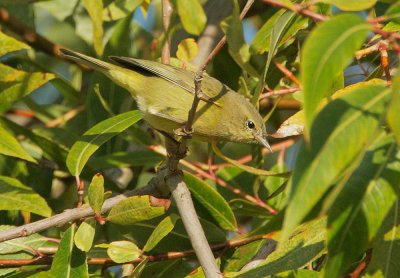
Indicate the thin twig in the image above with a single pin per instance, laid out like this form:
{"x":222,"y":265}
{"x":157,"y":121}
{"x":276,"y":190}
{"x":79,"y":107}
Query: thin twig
{"x":72,"y":215}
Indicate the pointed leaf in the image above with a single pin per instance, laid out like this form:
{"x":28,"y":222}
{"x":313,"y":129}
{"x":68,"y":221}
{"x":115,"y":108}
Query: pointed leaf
{"x":361,"y":207}
{"x":9,"y":44}
{"x":134,"y":209}
{"x":192,"y":16}
{"x":15,"y":84}
{"x":96,"y":136}
{"x":327,"y":51}
{"x":16,"y":196}
{"x":69,"y":261}
{"x":10,"y":146}
{"x":119,"y":9}
{"x":215,"y":204}
{"x":96,"y":193}
{"x":15,"y":245}
{"x":392,"y":115}
{"x":85,"y":234}
{"x":338,"y":136}
{"x":351,"y":5}
{"x":123,"y":251}
{"x":162,"y":229}
{"x":95,"y":10}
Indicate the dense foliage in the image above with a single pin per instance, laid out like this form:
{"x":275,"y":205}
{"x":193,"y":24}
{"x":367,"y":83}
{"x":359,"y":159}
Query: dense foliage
{"x":322,"y":73}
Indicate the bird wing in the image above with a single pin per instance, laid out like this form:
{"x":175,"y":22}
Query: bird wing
{"x":212,"y":88}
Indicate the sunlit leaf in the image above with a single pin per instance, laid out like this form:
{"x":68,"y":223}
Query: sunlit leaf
{"x":162,"y":229}
{"x":327,"y":51}
{"x":119,"y":9}
{"x":338,"y":136}
{"x":187,"y":50}
{"x":192,"y":16}
{"x":123,"y":251}
{"x":96,"y":193}
{"x":16,"y":196}
{"x":15,"y":84}
{"x":96,"y":136}
{"x":85,"y":234}
{"x":9,"y":44}
{"x":69,"y":261}
{"x":351,"y":5}
{"x":134,"y":209}
{"x":95,"y":10}
{"x":10,"y":146}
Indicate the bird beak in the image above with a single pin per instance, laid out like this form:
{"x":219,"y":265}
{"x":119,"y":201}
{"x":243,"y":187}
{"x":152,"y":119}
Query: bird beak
{"x":261,"y":139}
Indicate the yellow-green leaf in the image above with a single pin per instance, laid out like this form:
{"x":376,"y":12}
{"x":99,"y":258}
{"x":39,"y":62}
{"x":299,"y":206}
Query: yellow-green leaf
{"x":85,"y":234}
{"x":95,"y":10}
{"x":11,"y":147}
{"x":351,"y":5}
{"x":187,"y":50}
{"x":123,"y":251}
{"x":192,"y":16}
{"x":9,"y":44}
{"x":134,"y":209}
{"x":96,"y":193}
{"x":162,"y":229}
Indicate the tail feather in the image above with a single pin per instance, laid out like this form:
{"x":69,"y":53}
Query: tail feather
{"x":86,"y":60}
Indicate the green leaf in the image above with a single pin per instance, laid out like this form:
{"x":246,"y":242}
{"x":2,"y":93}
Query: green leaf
{"x":187,"y":50}
{"x":134,"y":209}
{"x":138,"y":270}
{"x":16,"y":196}
{"x":96,"y":136}
{"x":15,"y":84}
{"x":162,"y":229}
{"x":393,"y":13}
{"x":242,"y":255}
{"x":96,"y":193}
{"x":69,"y":261}
{"x":95,"y":10}
{"x":127,"y":159}
{"x":123,"y":251}
{"x":392,"y":113}
{"x":215,"y":204}
{"x":192,"y":16}
{"x":11,"y":147}
{"x":351,"y":5}
{"x":119,"y":9}
{"x":28,"y":243}
{"x":327,"y":51}
{"x":305,"y":245}
{"x":385,"y":261}
{"x":9,"y":44}
{"x":361,"y":207}
{"x":338,"y":136}
{"x":85,"y":234}
{"x":238,"y":48}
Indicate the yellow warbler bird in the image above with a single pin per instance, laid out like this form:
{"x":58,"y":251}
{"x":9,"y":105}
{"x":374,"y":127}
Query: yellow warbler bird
{"x":165,"y":95}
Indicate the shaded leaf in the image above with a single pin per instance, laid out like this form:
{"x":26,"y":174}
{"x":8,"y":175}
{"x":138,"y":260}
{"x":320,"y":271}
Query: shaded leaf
{"x":192,"y":16}
{"x":338,"y":136}
{"x":162,"y":229}
{"x":361,"y":207}
{"x":392,"y":115}
{"x":215,"y":204}
{"x":123,"y":251}
{"x":69,"y":261}
{"x":126,"y":159}
{"x":327,"y":51}
{"x":15,"y":84}
{"x":85,"y":234}
{"x":95,"y":10}
{"x":22,"y":243}
{"x":16,"y":196}
{"x":96,"y":136}
{"x":305,"y":245}
{"x":134,"y":209}
{"x":96,"y":193}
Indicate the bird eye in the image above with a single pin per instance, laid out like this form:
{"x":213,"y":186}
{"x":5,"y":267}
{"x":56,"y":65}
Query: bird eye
{"x":250,"y":124}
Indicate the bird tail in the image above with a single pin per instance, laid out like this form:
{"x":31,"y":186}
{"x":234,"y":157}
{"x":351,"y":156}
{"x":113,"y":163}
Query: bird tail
{"x":91,"y":62}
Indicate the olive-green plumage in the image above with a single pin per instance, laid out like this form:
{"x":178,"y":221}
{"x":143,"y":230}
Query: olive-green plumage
{"x":165,"y":95}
